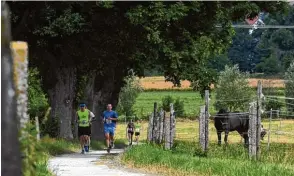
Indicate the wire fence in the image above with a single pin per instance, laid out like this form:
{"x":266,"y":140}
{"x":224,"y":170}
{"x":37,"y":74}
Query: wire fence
{"x":276,"y":124}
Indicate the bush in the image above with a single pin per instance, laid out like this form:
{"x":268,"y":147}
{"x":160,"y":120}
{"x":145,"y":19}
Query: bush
{"x":289,"y":87}
{"x":273,"y":104}
{"x":178,"y":105}
{"x":232,"y":90}
{"x":31,"y":150}
{"x":128,"y":96}
{"x":166,"y":101}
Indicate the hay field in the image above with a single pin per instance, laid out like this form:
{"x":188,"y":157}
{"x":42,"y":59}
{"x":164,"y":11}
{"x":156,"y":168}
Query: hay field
{"x":158,"y":82}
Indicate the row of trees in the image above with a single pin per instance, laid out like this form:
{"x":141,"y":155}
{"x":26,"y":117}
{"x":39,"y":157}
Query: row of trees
{"x":90,"y":47}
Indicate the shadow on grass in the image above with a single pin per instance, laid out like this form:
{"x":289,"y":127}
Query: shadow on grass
{"x":58,"y":146}
{"x":100,"y":145}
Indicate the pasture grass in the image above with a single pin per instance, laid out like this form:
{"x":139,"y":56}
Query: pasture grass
{"x":192,"y":102}
{"x":188,"y":130}
{"x":187,"y":159}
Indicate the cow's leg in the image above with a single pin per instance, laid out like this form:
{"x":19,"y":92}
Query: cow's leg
{"x":246,"y":138}
{"x":219,"y":137}
{"x":226,"y":136}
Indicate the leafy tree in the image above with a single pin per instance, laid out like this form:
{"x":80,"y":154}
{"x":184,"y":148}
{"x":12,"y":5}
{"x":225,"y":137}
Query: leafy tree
{"x":38,"y":102}
{"x":243,"y":50}
{"x":232,"y":90}
{"x":289,"y":77}
{"x":103,"y":41}
{"x":278,"y":43}
{"x":269,"y":66}
{"x":128,"y":95}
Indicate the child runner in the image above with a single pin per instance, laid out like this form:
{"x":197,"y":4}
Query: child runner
{"x":130,"y":131}
{"x":137,"y":131}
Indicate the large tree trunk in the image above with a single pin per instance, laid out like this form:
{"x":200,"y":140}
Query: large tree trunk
{"x":61,"y":98}
{"x":106,"y":90}
{"x":11,"y":160}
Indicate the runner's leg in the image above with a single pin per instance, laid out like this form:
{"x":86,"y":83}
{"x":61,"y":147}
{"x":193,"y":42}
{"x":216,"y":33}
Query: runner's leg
{"x":111,"y":136}
{"x":129,"y":138}
{"x":81,"y":137}
{"x":106,"y":133}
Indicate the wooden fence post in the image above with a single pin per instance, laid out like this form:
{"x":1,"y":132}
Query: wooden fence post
{"x":172,"y":125}
{"x":20,"y":54}
{"x":150,"y":128}
{"x":202,"y":127}
{"x":161,"y":117}
{"x":206,"y":119}
{"x":258,"y":120}
{"x":269,"y":129}
{"x":157,"y":127}
{"x":11,"y":157}
{"x":167,"y":133}
{"x":37,"y":127}
{"x":154,"y":121}
{"x":163,"y":126}
{"x":252,"y":131}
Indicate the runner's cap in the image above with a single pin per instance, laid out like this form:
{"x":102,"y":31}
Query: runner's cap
{"x":82,"y":105}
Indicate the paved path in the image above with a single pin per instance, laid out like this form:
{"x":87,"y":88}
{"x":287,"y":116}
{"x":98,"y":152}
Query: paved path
{"x":90,"y":164}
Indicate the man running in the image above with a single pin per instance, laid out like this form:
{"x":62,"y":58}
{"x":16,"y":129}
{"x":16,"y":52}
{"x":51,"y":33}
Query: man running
{"x":83,"y":119}
{"x":137,"y":131}
{"x":130,"y":131}
{"x":109,"y":119}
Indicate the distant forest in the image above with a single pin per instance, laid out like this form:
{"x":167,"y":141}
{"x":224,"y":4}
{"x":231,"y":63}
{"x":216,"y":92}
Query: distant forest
{"x":265,"y":51}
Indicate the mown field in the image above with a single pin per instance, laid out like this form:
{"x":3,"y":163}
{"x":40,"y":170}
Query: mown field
{"x":145,"y":101}
{"x":187,"y":130}
{"x":155,"y":88}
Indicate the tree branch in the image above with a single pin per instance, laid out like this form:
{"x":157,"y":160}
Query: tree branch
{"x":21,"y":25}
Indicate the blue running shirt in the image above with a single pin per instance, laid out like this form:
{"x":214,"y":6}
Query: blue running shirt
{"x":111,"y":114}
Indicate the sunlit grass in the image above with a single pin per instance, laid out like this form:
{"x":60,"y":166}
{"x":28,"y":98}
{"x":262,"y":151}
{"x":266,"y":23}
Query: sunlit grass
{"x":186,"y":159}
{"x":188,"y":130}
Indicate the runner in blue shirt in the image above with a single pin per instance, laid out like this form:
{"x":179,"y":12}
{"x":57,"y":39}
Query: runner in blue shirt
{"x":109,"y":119}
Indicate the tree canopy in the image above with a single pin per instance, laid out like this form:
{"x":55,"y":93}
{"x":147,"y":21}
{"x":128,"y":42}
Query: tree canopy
{"x":102,"y":41}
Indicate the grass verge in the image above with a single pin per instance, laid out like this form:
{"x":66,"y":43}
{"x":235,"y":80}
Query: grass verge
{"x":51,"y":147}
{"x":187,"y":159}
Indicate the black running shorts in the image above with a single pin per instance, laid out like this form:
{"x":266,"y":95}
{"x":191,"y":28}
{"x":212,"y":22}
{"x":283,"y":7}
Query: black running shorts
{"x":84,"y":131}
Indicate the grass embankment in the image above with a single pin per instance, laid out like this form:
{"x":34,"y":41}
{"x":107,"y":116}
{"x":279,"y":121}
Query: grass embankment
{"x":187,"y":159}
{"x":51,"y":147}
